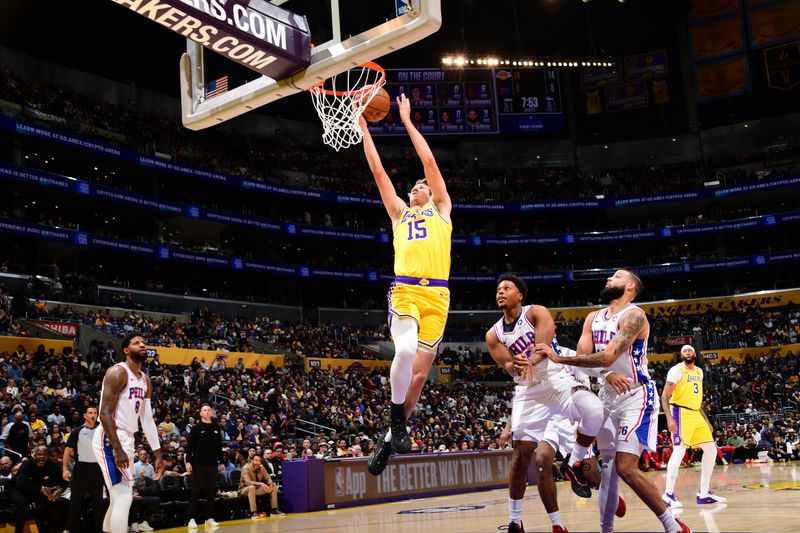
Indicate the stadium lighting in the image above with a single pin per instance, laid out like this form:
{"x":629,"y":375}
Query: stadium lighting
{"x":462,"y":61}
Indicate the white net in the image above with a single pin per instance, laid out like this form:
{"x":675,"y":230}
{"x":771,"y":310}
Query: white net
{"x":340,"y":100}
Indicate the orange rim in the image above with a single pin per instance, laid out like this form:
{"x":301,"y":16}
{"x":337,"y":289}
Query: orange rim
{"x":318,"y":88}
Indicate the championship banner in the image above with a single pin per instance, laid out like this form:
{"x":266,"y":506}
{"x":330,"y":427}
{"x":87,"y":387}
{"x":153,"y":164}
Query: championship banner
{"x":185,"y":356}
{"x":763,"y":299}
{"x":677,"y":341}
{"x":348,"y":365}
{"x":701,"y":9}
{"x":722,"y":79}
{"x":740,"y":354}
{"x":68,"y":329}
{"x":783,"y":66}
{"x":347,"y":482}
{"x":594,"y":105}
{"x":660,"y":92}
{"x":626,"y":97}
{"x":593,"y":77}
{"x":774,"y":24}
{"x":646,"y":66}
{"x":716,"y":39}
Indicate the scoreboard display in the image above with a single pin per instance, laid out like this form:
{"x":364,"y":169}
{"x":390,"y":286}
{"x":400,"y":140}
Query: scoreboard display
{"x":477,"y":100}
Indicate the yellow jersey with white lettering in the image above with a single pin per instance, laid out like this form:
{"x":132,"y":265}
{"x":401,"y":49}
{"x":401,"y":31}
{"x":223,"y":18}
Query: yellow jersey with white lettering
{"x":688,"y":391}
{"x":422,"y":243}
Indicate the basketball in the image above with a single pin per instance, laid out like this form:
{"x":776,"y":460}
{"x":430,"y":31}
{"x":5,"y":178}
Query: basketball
{"x":378,"y":107}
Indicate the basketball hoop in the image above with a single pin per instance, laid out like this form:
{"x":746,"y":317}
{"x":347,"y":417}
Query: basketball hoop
{"x":341,"y":99}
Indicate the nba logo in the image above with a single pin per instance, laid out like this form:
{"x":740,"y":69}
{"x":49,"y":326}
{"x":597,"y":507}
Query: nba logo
{"x":163,"y":252}
{"x":83,"y":188}
{"x":236,"y":263}
{"x":81,"y":239}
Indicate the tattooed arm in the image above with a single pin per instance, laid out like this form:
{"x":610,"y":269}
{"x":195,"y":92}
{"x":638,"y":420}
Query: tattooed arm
{"x":631,"y":326}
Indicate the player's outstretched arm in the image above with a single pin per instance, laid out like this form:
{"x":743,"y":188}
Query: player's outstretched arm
{"x":113,"y":383}
{"x":439,"y":193}
{"x":631,"y":325}
{"x":393,"y":204}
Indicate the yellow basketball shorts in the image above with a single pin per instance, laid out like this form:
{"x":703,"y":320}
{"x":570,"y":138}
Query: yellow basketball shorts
{"x":428,"y":306}
{"x":692,"y":427}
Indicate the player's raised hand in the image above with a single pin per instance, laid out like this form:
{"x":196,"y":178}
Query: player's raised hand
{"x":547,"y":351}
{"x":404,"y":107}
{"x":621,"y":384}
{"x":362,"y":123}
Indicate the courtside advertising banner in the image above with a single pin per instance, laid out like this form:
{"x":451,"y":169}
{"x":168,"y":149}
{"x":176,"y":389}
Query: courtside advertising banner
{"x":347,"y":482}
{"x":68,"y":329}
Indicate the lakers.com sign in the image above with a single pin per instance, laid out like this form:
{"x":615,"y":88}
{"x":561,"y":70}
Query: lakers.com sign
{"x":261,"y":36}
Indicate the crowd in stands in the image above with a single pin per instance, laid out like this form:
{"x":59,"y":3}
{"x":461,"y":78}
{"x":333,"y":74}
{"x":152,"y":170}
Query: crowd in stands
{"x":263,"y":159}
{"x":288,"y":413}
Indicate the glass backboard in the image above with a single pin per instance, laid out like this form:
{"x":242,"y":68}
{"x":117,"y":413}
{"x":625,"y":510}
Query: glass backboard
{"x":344,"y":33}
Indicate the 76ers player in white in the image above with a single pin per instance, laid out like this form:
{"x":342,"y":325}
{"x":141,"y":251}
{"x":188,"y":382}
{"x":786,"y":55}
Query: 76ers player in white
{"x":544,"y":389}
{"x":618,"y":337}
{"x":124,"y":401}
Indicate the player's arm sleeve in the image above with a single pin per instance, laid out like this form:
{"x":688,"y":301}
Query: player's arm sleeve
{"x":149,"y":426}
{"x":675,"y":374}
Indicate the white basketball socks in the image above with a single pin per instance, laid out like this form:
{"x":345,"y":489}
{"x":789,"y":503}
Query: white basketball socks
{"x":673,"y":466}
{"x":707,"y":466}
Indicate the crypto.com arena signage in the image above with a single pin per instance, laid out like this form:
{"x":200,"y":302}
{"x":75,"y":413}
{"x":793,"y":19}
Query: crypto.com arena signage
{"x":261,"y":36}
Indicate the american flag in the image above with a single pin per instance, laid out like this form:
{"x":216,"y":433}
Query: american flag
{"x":217,"y":87}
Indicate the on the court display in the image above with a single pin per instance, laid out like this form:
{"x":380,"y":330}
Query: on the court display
{"x":254,"y":33}
{"x":476,"y":100}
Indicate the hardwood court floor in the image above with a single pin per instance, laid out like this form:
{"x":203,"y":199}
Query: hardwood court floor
{"x":761,"y":498}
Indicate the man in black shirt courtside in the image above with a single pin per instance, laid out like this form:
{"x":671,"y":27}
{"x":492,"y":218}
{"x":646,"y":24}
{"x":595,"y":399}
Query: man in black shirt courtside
{"x":203,"y":452}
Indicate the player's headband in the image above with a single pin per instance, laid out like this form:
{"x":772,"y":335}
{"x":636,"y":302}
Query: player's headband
{"x":688,"y":346}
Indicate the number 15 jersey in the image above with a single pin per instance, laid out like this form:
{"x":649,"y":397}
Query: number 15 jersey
{"x":422,"y":243}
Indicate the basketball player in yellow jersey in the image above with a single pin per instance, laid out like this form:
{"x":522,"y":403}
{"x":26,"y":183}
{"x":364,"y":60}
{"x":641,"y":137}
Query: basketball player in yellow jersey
{"x":682,"y":401}
{"x":419,"y":298}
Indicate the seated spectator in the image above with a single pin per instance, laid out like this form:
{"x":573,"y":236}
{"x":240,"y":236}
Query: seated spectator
{"x":142,"y":468}
{"x":256,"y":481}
{"x":41,"y":483}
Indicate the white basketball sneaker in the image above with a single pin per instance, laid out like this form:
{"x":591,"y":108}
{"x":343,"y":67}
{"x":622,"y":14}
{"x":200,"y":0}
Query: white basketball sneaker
{"x":211,"y":523}
{"x":192,"y":524}
{"x":671,"y":501}
{"x":710,"y":498}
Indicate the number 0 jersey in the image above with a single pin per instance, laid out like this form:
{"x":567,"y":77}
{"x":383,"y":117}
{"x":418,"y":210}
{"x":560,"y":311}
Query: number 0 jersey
{"x":522,"y":338}
{"x":422,"y":243}
{"x":129,"y":406}
{"x":688,"y":391}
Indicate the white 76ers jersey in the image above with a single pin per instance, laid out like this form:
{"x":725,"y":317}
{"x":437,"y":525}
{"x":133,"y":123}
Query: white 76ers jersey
{"x":523,"y":338}
{"x":632,"y":364}
{"x":131,"y":399}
